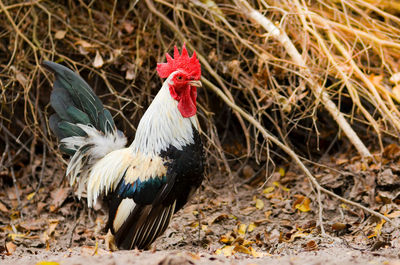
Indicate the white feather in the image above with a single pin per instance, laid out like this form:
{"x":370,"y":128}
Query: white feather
{"x":124,"y":210}
{"x":89,"y":149}
{"x":163,"y":125}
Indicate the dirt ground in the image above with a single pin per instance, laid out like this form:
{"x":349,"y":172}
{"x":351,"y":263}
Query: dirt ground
{"x":274,"y":223}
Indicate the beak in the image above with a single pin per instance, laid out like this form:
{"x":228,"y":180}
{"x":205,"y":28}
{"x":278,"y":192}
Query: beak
{"x":195,"y":83}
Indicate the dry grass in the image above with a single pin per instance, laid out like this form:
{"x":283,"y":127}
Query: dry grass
{"x":340,"y":59}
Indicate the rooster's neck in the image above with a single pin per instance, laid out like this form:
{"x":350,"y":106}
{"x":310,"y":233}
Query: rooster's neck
{"x":163,"y":126}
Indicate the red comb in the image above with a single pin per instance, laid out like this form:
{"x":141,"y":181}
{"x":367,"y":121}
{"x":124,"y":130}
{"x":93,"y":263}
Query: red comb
{"x":182,"y":61}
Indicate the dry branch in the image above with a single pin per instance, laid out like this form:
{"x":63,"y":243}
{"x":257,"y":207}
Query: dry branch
{"x":318,"y":91}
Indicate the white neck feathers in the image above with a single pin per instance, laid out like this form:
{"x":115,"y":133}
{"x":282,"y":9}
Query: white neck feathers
{"x":163,"y":125}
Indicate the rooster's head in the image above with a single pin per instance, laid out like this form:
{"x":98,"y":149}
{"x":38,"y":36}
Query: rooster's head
{"x":183,"y":73}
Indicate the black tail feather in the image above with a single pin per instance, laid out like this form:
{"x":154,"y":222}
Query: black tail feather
{"x":75,"y":103}
{"x":143,"y":226}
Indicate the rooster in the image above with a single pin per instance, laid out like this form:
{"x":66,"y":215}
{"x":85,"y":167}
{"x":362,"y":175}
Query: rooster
{"x":146,"y":183}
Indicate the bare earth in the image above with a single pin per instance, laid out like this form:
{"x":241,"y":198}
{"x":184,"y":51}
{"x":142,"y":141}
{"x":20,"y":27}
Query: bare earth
{"x":331,"y":255}
{"x":270,"y":224}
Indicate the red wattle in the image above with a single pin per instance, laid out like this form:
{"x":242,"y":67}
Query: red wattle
{"x":187,"y":103}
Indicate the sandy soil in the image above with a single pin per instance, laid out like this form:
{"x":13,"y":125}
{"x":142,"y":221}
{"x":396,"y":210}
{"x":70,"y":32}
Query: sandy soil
{"x":331,"y":255}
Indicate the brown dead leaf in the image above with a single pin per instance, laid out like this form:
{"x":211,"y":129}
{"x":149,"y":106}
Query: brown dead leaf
{"x":218,"y":218}
{"x":290,"y":237}
{"x":242,"y":249}
{"x":3,"y":208}
{"x":4,"y":252}
{"x":248,"y":171}
{"x":33,"y":225}
{"x":227,"y":239}
{"x":85,"y":44}
{"x":340,"y":227}
{"x":391,"y":151}
{"x":302,"y":203}
{"x":48,"y":235}
{"x":394,"y":214}
{"x":59,"y":196}
{"x":310,"y":246}
{"x":130,"y":72}
{"x":98,"y":60}
{"x":128,"y":26}
{"x":341,"y":161}
{"x":387,"y":178}
{"x":256,"y":254}
{"x":60,"y":34}
{"x":40,"y":207}
{"x":11,"y":247}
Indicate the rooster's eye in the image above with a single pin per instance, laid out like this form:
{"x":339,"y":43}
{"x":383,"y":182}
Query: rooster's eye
{"x":179,"y":77}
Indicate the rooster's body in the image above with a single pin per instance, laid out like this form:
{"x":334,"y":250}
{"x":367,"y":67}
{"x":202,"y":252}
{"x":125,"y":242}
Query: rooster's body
{"x":147,"y":182}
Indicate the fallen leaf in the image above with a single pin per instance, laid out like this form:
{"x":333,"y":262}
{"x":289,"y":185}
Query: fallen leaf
{"x":268,"y":190}
{"x":394,"y":214}
{"x":30,"y":196}
{"x":242,"y":249}
{"x":340,"y":226}
{"x":391,"y":151}
{"x":33,"y":225}
{"x":13,"y":236}
{"x":377,"y":229}
{"x":259,"y":204}
{"x":58,"y":196}
{"x":248,"y":171}
{"x":128,"y":26}
{"x":290,"y":237}
{"x":60,"y":34}
{"x":84,"y":44}
{"x":311,"y":245}
{"x":4,"y":252}
{"x":255,"y":254}
{"x":280,"y":186}
{"x":194,"y":224}
{"x":3,"y":208}
{"x":49,"y":233}
{"x":242,"y":229}
{"x":98,"y":60}
{"x":251,"y":227}
{"x":302,"y":203}
{"x":218,"y":218}
{"x":226,"y":239}
{"x":130,"y":73}
{"x":47,"y":263}
{"x":11,"y":247}
{"x":227,"y":251}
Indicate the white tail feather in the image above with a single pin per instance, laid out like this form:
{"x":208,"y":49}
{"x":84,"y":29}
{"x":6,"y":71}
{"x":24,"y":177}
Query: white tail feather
{"x":88,"y":150}
{"x":107,"y":173}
